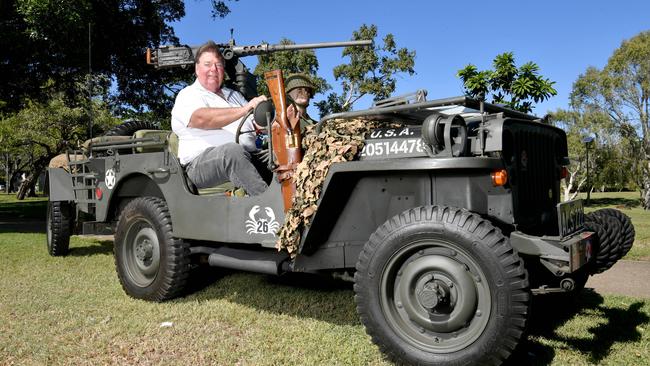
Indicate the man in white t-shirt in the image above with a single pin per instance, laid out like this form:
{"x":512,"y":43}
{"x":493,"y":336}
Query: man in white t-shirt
{"x":205,"y":118}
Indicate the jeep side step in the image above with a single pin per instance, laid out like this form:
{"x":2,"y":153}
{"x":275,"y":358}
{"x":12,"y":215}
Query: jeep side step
{"x":267,"y":262}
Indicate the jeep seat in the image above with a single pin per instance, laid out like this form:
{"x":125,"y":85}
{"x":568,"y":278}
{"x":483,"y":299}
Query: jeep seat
{"x":163,"y":135}
{"x":172,"y":144}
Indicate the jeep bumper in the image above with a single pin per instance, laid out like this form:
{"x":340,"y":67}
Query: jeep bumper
{"x":559,"y":255}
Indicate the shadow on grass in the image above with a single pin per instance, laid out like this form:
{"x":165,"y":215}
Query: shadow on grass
{"x":98,"y":247}
{"x":18,"y":225}
{"x":619,"y":202}
{"x":614,"y":325}
{"x":332,"y":301}
{"x":23,"y":210}
{"x":294,"y":294}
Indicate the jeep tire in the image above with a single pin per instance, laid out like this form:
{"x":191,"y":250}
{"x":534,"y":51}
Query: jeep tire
{"x":439,"y":285}
{"x":130,"y":127}
{"x":151,"y":263}
{"x":59,"y":227}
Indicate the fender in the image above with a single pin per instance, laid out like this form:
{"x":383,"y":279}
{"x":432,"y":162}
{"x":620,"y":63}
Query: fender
{"x":59,"y":185}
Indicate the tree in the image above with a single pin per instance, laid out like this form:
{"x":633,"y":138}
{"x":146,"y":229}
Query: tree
{"x":371,"y":71}
{"x":622,"y":91}
{"x":42,"y":130}
{"x":517,"y":88}
{"x":303,"y":61}
{"x":46,"y":41}
{"x":607,"y":167}
{"x":220,"y":9}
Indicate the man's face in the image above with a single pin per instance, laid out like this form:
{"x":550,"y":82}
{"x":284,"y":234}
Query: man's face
{"x":210,"y":71}
{"x":300,"y":96}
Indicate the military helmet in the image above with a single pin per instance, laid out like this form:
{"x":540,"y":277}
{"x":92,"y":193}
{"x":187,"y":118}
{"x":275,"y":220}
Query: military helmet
{"x":294,"y":81}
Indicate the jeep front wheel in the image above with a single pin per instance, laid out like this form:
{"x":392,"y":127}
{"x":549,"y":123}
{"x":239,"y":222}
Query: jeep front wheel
{"x":438,"y":285}
{"x":151,"y":264}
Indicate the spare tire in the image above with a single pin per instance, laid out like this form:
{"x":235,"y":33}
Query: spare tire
{"x":128,"y":128}
{"x":626,"y":233}
{"x":608,"y":248}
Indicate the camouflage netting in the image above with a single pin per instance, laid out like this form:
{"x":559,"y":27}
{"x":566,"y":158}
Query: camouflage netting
{"x":339,"y":140}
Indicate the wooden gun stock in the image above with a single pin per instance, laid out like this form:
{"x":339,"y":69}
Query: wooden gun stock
{"x":285,"y":138}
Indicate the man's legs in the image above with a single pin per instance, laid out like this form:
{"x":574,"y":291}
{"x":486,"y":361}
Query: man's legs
{"x":229,"y":162}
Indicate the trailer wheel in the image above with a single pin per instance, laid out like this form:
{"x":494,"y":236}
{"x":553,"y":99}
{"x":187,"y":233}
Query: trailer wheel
{"x":439,"y":285}
{"x":151,"y":264}
{"x":59,"y":225}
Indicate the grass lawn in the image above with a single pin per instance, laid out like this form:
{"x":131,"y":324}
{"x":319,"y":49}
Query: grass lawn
{"x":72,"y":310}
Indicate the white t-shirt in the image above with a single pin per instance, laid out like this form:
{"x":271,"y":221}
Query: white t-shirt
{"x":192,"y":141}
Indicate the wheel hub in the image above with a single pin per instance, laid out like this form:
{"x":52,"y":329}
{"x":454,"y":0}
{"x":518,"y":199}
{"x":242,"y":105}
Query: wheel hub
{"x":144,"y":250}
{"x":434,"y":295}
{"x":142,"y":253}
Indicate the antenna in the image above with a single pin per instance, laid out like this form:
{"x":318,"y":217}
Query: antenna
{"x":90,"y":86}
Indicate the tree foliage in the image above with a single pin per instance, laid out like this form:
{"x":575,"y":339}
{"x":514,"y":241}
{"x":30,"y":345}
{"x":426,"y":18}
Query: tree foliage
{"x":46,"y":41}
{"x":608,"y":166}
{"x":44,"y":129}
{"x":220,"y":9}
{"x":622,"y":91}
{"x":303,"y":61}
{"x":371,"y":71}
{"x":517,"y":88}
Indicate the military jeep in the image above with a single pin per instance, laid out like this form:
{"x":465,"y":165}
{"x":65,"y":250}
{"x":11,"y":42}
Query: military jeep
{"x":447,"y":221}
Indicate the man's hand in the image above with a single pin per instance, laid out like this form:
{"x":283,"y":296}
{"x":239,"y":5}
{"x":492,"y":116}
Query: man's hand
{"x":293,"y":115}
{"x":255,"y":101}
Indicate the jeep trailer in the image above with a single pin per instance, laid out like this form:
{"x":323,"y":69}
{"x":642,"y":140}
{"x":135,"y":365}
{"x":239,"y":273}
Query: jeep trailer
{"x":447,"y":221}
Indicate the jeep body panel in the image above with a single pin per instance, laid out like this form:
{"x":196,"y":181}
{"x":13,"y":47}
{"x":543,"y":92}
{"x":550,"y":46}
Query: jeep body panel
{"x":384,"y":187}
{"x":216,"y":218}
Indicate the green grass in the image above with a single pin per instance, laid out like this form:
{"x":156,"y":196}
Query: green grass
{"x":72,"y":310}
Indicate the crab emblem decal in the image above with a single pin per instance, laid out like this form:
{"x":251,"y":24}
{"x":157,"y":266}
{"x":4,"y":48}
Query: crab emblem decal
{"x":261,"y":225}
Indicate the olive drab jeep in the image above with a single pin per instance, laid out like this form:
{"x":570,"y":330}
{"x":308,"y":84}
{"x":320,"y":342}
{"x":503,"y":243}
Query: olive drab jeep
{"x":445,"y":214}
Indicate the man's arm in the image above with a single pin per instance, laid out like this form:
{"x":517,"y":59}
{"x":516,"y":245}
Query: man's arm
{"x":212,"y":118}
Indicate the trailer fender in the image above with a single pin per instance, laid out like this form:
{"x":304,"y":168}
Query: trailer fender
{"x":59,"y":185}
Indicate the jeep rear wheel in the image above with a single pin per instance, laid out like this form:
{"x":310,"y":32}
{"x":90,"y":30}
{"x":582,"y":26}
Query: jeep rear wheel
{"x":439,"y":285}
{"x":151,"y":264}
{"x":58,"y":227}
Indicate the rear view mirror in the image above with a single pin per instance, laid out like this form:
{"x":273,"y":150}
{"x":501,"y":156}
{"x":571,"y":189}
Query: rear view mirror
{"x":264,"y":113}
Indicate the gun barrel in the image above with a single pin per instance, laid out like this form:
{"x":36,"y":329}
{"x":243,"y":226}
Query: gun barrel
{"x":242,"y":51}
{"x":174,"y":56}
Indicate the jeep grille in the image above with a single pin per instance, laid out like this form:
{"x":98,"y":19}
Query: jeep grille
{"x":533,"y":153}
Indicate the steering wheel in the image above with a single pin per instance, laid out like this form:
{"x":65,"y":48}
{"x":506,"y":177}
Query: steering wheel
{"x":263,"y":114}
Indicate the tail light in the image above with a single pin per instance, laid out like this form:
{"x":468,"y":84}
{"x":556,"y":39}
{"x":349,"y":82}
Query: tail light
{"x":564,"y":172}
{"x":499,"y":177}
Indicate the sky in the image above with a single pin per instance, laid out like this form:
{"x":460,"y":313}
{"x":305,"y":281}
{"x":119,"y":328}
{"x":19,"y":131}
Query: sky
{"x":563,"y":38}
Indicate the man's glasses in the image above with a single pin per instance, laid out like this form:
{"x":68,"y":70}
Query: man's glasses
{"x":210,"y":65}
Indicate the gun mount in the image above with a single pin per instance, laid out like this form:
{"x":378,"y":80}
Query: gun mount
{"x":238,"y":76}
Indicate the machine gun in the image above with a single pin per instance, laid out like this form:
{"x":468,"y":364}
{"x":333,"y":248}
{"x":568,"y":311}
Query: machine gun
{"x":238,"y":77}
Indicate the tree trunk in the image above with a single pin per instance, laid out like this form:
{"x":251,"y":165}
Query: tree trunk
{"x":645,"y":188}
{"x":28,"y":184}
{"x":645,"y":194}
{"x":14,"y":177}
{"x":27,"y":187}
